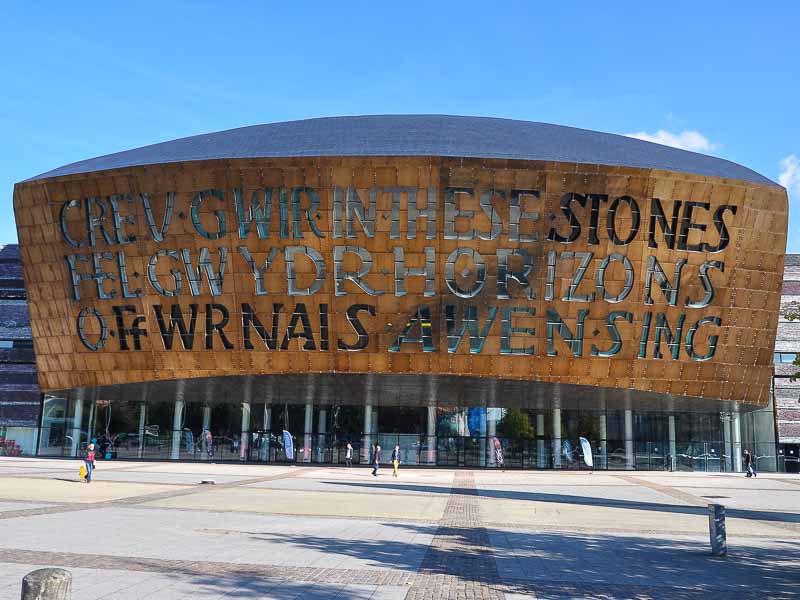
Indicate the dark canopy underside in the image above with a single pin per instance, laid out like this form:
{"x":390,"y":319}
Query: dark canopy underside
{"x":399,"y":390}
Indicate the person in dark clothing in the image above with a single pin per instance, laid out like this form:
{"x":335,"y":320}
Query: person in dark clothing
{"x":376,"y":460}
{"x":749,"y":464}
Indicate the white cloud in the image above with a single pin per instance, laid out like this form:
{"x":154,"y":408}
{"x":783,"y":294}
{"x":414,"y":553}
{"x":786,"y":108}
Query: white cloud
{"x":686,"y":139}
{"x":790,"y":174}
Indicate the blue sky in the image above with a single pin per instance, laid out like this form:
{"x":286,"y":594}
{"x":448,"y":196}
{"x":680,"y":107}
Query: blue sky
{"x":83,"y":79}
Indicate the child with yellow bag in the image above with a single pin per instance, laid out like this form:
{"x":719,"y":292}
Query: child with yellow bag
{"x":87,"y":467}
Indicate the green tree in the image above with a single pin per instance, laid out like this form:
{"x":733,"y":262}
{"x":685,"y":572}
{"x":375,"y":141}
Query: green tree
{"x":515,"y":424}
{"x":587,"y":427}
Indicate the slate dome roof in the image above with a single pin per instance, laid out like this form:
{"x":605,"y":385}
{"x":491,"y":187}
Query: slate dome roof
{"x":419,"y":135}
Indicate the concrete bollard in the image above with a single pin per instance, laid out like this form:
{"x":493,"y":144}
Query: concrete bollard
{"x":47,"y":584}
{"x":716,"y":529}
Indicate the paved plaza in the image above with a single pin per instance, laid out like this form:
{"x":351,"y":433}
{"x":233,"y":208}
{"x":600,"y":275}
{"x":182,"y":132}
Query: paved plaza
{"x":151,"y":530}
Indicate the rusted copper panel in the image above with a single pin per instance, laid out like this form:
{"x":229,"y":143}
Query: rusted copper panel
{"x":516,"y":265}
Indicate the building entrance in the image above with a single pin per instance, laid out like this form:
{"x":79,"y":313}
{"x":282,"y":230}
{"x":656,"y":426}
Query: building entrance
{"x":456,"y":422}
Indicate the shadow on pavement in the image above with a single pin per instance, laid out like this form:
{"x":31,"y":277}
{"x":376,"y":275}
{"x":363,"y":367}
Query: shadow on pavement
{"x":607,"y":566}
{"x":215,"y":587}
{"x":758,"y":515}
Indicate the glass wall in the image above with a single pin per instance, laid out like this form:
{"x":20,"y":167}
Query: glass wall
{"x":54,"y":439}
{"x":205,"y":429}
{"x":699,"y":442}
{"x":18,"y":441}
{"x":759,"y":426}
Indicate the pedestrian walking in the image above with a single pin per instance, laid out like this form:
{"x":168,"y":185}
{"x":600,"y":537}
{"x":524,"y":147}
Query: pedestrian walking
{"x":376,"y":460}
{"x":209,"y":444}
{"x":498,"y":453}
{"x":749,"y":464}
{"x":188,"y":440}
{"x":396,"y":459}
{"x":88,"y":463}
{"x":348,"y":455}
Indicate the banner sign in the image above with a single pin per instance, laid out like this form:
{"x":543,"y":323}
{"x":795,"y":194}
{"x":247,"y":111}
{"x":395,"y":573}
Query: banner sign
{"x":288,"y":446}
{"x":587,"y":452}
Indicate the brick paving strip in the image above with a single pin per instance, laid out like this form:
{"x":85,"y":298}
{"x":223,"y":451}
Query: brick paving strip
{"x":421,"y":584}
{"x":207,"y":568}
{"x":665,"y":489}
{"x":459,"y":563}
{"x":143,"y":498}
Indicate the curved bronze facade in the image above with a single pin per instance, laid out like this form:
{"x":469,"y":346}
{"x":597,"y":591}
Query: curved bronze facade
{"x":611,"y":277}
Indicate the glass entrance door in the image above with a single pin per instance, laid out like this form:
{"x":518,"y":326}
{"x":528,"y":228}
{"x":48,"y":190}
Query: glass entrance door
{"x":447,"y":451}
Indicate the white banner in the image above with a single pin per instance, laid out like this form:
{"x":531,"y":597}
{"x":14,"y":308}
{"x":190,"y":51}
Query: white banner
{"x":587,"y":452}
